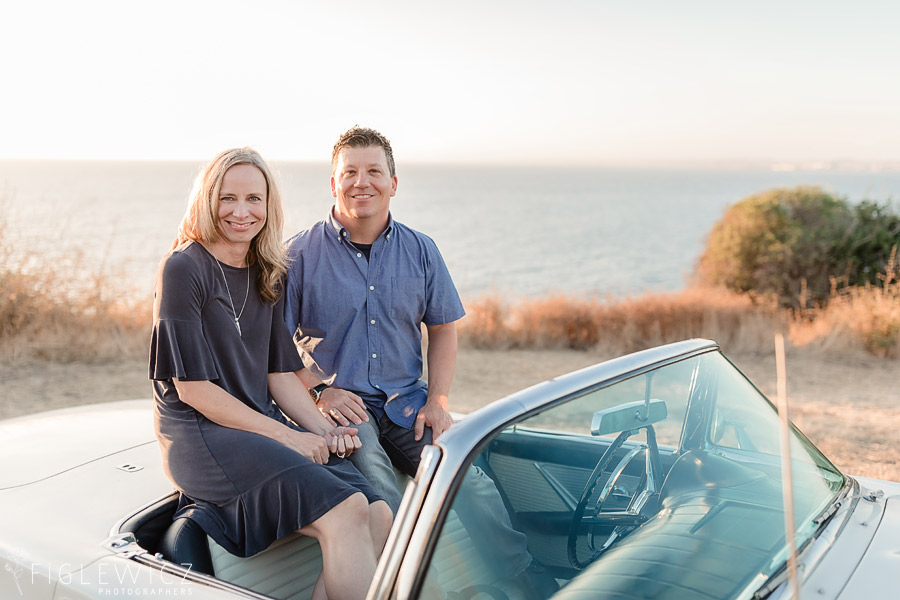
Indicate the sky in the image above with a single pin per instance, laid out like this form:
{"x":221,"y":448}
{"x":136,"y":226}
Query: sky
{"x":578,"y":82}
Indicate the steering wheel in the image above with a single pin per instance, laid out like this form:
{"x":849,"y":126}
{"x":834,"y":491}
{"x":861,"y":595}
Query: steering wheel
{"x":622,"y":521}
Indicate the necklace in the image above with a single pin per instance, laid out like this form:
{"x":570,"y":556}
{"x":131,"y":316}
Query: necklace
{"x":237,"y":315}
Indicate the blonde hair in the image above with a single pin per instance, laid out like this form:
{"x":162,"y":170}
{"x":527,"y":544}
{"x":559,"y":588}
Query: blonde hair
{"x":201,"y":217}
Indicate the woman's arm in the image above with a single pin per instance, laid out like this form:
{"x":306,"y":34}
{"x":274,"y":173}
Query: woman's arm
{"x":224,"y":409}
{"x":294,"y":400}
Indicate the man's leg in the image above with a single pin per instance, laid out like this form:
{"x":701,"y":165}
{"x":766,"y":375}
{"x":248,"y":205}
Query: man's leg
{"x":375,"y":465}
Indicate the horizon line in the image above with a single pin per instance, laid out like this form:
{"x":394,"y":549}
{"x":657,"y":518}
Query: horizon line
{"x":786,"y":165}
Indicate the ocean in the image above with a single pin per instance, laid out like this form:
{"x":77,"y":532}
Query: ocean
{"x":511,"y":231}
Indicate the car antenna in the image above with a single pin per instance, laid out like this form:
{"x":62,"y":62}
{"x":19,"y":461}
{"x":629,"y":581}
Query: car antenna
{"x":786,"y":487}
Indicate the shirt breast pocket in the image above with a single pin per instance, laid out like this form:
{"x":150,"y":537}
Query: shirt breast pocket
{"x":408,"y":298}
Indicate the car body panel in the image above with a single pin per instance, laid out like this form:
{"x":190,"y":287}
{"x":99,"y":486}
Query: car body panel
{"x":52,"y":526}
{"x":881,"y":569}
{"x":860,"y":549}
{"x":35,"y":447}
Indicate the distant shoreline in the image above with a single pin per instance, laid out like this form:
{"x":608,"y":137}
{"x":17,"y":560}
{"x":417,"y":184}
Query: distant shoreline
{"x":776,"y":165}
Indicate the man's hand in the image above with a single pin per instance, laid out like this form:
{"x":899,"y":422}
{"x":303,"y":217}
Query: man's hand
{"x":341,"y":407}
{"x":434,"y":414}
{"x":342,"y":441}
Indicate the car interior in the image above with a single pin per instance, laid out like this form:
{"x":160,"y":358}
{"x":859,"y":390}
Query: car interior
{"x":287,"y":570}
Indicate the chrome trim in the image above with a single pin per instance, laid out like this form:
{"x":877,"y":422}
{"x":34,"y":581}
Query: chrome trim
{"x":386,"y":573}
{"x":123,"y":544}
{"x":434,"y":509}
{"x":117,"y":526}
{"x":479,"y":424}
{"x":617,"y":472}
{"x":130,"y":467}
{"x":565,"y":495}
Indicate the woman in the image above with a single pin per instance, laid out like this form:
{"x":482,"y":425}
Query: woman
{"x":222,"y":365}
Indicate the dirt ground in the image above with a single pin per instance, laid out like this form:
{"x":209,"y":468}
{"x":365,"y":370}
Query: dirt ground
{"x":848,"y":407}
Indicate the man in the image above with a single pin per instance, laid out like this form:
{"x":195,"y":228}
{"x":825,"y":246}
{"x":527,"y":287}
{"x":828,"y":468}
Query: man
{"x":359,"y":287}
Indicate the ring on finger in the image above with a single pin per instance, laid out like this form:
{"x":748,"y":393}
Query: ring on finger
{"x":341,"y":454}
{"x":334,"y":413}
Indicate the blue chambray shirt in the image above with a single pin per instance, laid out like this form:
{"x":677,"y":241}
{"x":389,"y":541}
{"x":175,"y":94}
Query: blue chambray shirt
{"x":356,"y":322}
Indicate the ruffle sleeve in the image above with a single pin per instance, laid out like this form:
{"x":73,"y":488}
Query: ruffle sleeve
{"x":178,"y":349}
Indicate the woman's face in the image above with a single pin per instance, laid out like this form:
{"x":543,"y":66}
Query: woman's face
{"x":242,"y":204}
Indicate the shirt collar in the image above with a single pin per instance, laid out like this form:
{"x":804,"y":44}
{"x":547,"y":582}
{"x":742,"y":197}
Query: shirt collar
{"x":340,"y":232}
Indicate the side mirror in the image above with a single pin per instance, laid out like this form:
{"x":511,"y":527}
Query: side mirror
{"x":628,"y":416}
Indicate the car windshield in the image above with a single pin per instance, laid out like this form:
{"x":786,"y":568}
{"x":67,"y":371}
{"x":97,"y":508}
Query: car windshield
{"x":664,"y":482}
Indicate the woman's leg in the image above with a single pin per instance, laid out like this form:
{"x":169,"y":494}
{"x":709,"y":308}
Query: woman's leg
{"x":348,"y":553}
{"x":318,"y":592}
{"x":380,"y":520}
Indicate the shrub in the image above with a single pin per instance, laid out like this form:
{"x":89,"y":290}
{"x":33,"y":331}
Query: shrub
{"x":876,"y":232}
{"x":797,"y":243}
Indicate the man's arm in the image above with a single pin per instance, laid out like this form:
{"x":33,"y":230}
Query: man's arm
{"x":441,"y":357}
{"x":337,"y":405}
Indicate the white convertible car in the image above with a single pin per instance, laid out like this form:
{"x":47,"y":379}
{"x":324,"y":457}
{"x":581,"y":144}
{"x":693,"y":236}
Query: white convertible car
{"x":654,"y":475}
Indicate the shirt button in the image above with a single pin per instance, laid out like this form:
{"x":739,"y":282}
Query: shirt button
{"x":359,"y":255}
{"x":371,"y":287}
{"x":372,"y":321}
{"x":374,"y":356}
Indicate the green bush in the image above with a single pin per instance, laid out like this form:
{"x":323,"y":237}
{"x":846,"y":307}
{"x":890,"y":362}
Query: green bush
{"x":876,"y":231}
{"x":797,"y":243}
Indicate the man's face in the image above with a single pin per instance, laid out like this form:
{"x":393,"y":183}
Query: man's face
{"x":362,"y":184}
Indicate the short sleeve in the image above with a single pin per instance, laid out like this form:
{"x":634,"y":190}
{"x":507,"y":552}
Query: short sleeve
{"x":177,"y":346}
{"x":443,"y":304}
{"x":293,"y":292}
{"x":283,"y":356}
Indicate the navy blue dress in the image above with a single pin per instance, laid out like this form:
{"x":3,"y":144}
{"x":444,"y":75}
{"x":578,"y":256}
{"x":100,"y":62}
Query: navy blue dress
{"x":244,"y":489}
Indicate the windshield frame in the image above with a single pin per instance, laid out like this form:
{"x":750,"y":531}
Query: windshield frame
{"x":463,"y":443}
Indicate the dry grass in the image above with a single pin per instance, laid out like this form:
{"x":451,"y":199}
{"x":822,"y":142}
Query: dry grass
{"x":49,"y":315}
{"x":861,"y":318}
{"x":49,"y":312}
{"x":865,"y":319}
{"x":42,"y":318}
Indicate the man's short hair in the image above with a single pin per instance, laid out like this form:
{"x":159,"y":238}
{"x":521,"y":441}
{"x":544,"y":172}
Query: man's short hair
{"x":363,"y":137}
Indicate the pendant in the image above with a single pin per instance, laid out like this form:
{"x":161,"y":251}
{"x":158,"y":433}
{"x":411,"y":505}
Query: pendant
{"x":238,"y":325}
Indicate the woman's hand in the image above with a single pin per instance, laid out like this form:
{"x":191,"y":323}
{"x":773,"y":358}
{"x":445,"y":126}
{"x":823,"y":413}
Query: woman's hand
{"x":312,"y":446}
{"x":342,"y":441}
